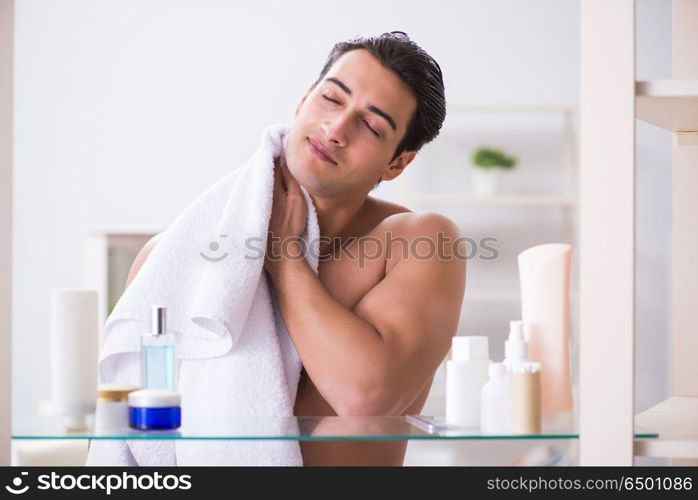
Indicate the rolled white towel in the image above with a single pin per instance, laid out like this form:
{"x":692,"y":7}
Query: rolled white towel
{"x":235,"y":355}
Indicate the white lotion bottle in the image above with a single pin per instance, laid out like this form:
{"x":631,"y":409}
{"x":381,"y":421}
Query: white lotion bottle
{"x":496,"y":402}
{"x":74,"y":354}
{"x":466,"y":374}
{"x":515,"y":347}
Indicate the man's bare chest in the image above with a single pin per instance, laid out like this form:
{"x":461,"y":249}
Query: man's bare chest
{"x":356,"y":264}
{"x":350,"y":272}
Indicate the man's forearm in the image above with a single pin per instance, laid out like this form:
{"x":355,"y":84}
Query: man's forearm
{"x":343,"y":354}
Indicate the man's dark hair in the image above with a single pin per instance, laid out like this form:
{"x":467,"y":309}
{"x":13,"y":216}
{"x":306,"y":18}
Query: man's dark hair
{"x":417,"y":69}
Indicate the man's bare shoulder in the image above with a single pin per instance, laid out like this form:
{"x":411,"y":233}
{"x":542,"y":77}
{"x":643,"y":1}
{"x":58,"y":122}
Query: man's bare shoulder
{"x":385,"y":208}
{"x":421,"y":224}
{"x":395,"y":214}
{"x":429,"y":238}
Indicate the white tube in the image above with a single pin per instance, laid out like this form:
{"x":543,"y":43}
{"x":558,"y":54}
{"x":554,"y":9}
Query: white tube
{"x":544,"y":271}
{"x":74,"y":339}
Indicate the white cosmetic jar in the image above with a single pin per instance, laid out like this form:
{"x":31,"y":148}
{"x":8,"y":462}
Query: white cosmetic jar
{"x":112,"y":405}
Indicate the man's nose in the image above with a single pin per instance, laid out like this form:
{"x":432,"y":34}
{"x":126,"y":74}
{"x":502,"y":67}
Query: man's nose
{"x":335,"y":130}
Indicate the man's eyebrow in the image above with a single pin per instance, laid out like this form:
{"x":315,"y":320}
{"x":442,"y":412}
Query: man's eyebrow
{"x":371,"y":107}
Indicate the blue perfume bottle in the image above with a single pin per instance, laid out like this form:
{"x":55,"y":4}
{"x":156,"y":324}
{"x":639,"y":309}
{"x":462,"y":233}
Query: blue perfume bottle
{"x":158,"y":354}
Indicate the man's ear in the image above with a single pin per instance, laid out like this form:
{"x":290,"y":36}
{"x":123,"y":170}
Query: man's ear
{"x":298,"y":108}
{"x":398,"y":165}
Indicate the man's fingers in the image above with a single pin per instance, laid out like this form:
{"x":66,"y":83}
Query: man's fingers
{"x":290,"y":181}
{"x":284,"y":181}
{"x":279,"y":184}
{"x":277,"y":178}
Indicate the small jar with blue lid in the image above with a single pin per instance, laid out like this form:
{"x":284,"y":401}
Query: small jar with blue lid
{"x":154,"y":409}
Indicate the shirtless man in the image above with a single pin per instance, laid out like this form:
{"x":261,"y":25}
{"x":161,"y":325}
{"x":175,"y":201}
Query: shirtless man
{"x":373,"y":327}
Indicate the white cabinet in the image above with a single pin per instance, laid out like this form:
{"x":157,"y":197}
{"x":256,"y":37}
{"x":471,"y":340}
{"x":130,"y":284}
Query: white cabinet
{"x":611,"y":100}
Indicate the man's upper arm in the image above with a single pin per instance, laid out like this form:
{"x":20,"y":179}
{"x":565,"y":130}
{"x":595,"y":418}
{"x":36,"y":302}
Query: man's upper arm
{"x":141,"y":257}
{"x":416,"y":307}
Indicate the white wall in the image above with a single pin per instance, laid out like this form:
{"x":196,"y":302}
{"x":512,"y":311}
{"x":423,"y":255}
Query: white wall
{"x":127,"y":110}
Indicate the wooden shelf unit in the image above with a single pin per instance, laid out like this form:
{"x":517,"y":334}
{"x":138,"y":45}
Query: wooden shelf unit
{"x":671,"y":105}
{"x":611,"y":102}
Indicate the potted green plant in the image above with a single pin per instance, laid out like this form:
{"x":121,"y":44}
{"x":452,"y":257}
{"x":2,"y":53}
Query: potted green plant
{"x":488,"y":163}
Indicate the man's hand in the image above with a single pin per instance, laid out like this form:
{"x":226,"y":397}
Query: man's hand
{"x":288,"y":219}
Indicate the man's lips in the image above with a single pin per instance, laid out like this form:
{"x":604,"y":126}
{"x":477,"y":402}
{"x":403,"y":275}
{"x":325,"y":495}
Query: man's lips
{"x":319,"y":152}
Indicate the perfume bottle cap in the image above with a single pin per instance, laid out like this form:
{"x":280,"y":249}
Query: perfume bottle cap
{"x":159,"y":325}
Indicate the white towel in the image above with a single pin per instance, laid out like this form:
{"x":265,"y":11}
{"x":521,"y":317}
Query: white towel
{"x":236,"y":356}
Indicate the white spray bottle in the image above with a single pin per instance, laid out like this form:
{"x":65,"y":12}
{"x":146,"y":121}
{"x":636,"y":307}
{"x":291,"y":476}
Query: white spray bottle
{"x":515,"y":347}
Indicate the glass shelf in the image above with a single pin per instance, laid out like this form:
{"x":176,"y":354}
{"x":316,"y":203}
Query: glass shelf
{"x":393,"y":428}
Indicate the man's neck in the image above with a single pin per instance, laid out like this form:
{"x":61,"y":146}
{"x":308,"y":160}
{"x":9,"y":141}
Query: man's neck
{"x":335,"y":218}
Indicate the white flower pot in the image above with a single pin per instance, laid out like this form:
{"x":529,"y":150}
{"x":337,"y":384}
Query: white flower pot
{"x":484,"y":182}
